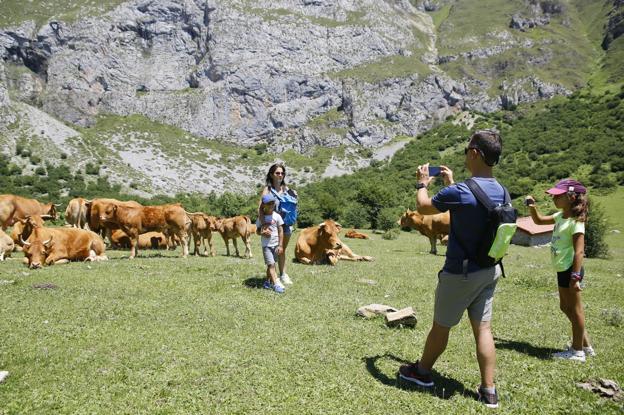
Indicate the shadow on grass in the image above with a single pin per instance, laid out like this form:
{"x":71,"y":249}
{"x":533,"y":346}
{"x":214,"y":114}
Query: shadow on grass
{"x":543,"y":353}
{"x":253,"y":282}
{"x":444,"y":387}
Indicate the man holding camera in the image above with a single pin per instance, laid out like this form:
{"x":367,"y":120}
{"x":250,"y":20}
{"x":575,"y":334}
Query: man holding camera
{"x":462,"y":284}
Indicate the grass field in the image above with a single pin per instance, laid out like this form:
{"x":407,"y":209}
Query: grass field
{"x":164,"y":335}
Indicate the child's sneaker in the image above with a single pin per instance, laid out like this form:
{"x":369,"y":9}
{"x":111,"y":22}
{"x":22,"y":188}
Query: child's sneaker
{"x":488,"y":399}
{"x":570,"y":354}
{"x":279,"y":288}
{"x":589,"y":351}
{"x":285,"y":279}
{"x":267,"y":285}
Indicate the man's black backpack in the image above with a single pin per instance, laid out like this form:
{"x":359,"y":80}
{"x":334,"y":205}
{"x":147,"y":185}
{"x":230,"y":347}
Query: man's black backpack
{"x":500,"y":227}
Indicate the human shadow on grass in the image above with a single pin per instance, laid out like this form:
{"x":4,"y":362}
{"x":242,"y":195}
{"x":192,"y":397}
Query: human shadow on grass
{"x":444,"y":388}
{"x":253,"y":282}
{"x":542,"y":353}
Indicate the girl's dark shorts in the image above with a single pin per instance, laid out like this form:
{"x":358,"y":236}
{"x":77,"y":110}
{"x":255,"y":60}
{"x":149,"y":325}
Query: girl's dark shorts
{"x":563,"y":277}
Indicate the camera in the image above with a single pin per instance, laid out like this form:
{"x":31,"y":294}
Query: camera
{"x":434,"y":171}
{"x":528,"y":201}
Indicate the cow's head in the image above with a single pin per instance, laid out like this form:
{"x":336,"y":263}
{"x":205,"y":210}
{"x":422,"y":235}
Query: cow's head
{"x":36,"y":249}
{"x":109,"y":213}
{"x":328,"y":234}
{"x":211,"y":221}
{"x":411,"y":219}
{"x":49,"y":210}
{"x":24,"y":227}
{"x":219,"y":224}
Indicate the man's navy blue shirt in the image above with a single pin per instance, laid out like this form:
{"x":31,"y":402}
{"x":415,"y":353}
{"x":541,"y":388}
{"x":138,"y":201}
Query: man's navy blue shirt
{"x":468,"y":220}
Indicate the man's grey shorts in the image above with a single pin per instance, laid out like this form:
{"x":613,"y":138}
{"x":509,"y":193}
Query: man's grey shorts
{"x":270,"y":254}
{"x":458,"y":292}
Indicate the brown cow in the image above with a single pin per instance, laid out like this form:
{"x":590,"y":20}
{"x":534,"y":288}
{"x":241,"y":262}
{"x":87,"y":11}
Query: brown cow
{"x":148,"y":240}
{"x":170,"y":219}
{"x":6,"y":245}
{"x":13,"y":208}
{"x":96,"y":207}
{"x":232,"y":228}
{"x":202,"y":226}
{"x":76,"y":213}
{"x":432,"y":226}
{"x":321,"y":245}
{"x":356,"y":235}
{"x":48,"y":246}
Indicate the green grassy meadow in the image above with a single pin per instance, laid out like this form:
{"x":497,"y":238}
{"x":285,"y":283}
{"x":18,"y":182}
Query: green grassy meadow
{"x":165,"y":335}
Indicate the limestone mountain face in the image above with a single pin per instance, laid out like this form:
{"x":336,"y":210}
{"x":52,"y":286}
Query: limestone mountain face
{"x":290,"y":74}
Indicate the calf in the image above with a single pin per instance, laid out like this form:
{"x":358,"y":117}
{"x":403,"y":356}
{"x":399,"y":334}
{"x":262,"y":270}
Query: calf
{"x":202,"y":226}
{"x":321,"y":245}
{"x":148,"y":240}
{"x":355,"y":235}
{"x":6,"y":245}
{"x":48,"y":246}
{"x":170,"y":219}
{"x":233,"y":228}
{"x":94,"y":210}
{"x":432,"y":226}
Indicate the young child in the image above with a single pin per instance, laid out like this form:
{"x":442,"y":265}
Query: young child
{"x":272,"y":240}
{"x":567,"y":252}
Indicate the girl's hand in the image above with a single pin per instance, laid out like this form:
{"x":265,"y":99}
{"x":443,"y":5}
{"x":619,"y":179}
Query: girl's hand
{"x":575,"y":286}
{"x":280,"y":250}
{"x":529,"y":200}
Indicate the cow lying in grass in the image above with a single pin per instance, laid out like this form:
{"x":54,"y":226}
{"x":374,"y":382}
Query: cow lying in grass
{"x":48,"y":246}
{"x":6,"y":245}
{"x":432,"y":226}
{"x":321,"y":245}
{"x":356,"y":235}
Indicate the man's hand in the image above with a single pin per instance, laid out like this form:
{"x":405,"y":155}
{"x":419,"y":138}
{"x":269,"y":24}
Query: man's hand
{"x":422,"y":175}
{"x":280,"y":250}
{"x":447,"y":175}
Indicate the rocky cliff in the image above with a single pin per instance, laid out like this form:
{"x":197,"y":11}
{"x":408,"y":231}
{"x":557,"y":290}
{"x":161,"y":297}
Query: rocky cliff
{"x":290,"y":74}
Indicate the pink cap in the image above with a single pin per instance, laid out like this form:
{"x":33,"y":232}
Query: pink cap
{"x":565,"y":186}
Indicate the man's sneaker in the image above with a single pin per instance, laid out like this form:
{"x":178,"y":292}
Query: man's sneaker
{"x":570,"y":354}
{"x":410,"y":373}
{"x":285,"y":279}
{"x":267,"y":285}
{"x":489,"y":399}
{"x":589,"y":351}
{"x":279,"y":288}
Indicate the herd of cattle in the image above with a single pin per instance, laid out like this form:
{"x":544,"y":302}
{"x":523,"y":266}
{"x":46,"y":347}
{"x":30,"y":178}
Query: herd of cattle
{"x":128,"y":224}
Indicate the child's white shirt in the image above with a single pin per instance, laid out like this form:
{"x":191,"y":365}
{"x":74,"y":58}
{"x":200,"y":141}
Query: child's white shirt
{"x":273,"y":221}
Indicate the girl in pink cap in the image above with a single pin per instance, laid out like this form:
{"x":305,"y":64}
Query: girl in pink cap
{"x":567,"y":253}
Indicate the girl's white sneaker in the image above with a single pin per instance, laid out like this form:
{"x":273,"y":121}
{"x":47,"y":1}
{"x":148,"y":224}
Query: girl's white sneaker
{"x":570,"y":354}
{"x":589,"y":351}
{"x":285,"y":279}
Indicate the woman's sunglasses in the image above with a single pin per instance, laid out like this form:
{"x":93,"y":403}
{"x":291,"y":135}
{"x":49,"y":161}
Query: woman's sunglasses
{"x":278,"y":173}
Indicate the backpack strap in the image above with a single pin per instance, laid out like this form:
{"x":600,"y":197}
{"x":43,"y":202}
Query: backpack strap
{"x":481,"y":196}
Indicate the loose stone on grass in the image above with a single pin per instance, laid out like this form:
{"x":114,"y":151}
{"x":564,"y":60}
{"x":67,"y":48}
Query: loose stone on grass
{"x":606,"y":388}
{"x":45,"y":286}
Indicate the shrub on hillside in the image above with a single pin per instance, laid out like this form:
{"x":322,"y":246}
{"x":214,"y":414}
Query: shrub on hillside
{"x":355,"y":216}
{"x":595,"y":232}
{"x":391,"y":234}
{"x":387,"y":218}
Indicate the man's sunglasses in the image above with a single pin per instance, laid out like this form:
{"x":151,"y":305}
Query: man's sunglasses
{"x":474,"y":148}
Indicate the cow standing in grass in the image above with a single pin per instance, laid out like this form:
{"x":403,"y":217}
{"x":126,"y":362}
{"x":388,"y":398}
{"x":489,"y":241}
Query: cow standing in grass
{"x":170,"y":219}
{"x":234,"y":228}
{"x":202,"y":226}
{"x":433,"y":227}
{"x":13,"y":208}
{"x":94,"y":210}
{"x":76,"y":213}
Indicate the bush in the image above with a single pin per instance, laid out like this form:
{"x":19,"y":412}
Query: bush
{"x":391,"y":234}
{"x":387,"y":218}
{"x":41,"y":171}
{"x":613,"y":317}
{"x":355,"y":216}
{"x":92,"y":169}
{"x":595,"y":232}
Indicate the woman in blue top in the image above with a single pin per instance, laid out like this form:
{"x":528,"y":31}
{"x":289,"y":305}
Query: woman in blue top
{"x":276,"y":184}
